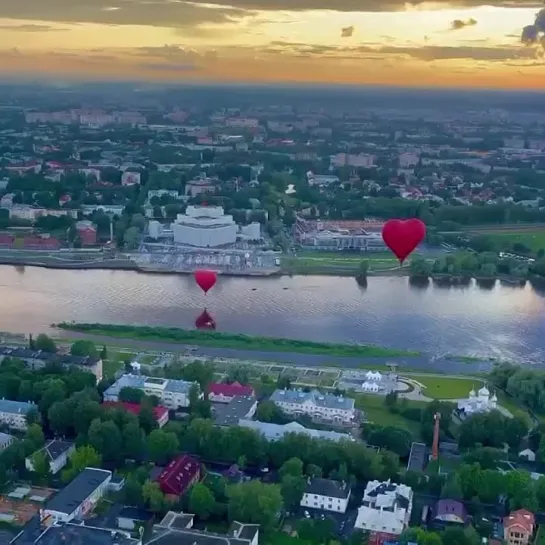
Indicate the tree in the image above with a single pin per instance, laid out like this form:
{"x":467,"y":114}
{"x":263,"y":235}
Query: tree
{"x":106,"y":438}
{"x":292,"y":488}
{"x":292,"y":467}
{"x":41,"y":468}
{"x":134,"y":441}
{"x":45,"y":343}
{"x":153,"y":496}
{"x":82,"y":457}
{"x":104,"y":353}
{"x":315,"y":531}
{"x":201,"y":501}
{"x":35,"y":437}
{"x":363,"y":268}
{"x":131,"y":395}
{"x":146,"y":418}
{"x":254,"y":502}
{"x":84,"y":348}
{"x":268,"y":411}
{"x":131,"y":238}
{"x":162,"y":445}
{"x":452,"y":489}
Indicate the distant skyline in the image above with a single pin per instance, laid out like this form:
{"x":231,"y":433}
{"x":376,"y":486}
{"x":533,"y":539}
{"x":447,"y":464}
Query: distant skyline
{"x":464,"y":43}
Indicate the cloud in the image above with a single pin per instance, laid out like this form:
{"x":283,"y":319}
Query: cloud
{"x":534,"y":34}
{"x":31,"y":28}
{"x":457,"y":24}
{"x":347,"y":31}
{"x":427,"y":53}
{"x":187,"y":14}
{"x":166,"y":67}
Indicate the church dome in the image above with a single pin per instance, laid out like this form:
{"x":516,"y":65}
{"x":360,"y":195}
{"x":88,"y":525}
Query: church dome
{"x":484,"y":392}
{"x":472,"y":393}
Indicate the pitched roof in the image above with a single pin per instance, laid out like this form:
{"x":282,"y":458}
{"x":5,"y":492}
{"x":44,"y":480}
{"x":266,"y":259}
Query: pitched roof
{"x":178,"y":475}
{"x":230,"y":390}
{"x":450,"y":507}
{"x":135,"y":408}
{"x":327,"y":487}
{"x":523,"y":518}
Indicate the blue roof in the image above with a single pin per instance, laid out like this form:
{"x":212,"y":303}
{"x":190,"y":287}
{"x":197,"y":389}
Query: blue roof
{"x":5,"y":438}
{"x":273,"y":432}
{"x":16,"y":407}
{"x":327,"y":400}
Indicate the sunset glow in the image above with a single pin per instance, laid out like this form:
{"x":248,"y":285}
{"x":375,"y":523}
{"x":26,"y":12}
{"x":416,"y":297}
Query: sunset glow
{"x":265,"y":41}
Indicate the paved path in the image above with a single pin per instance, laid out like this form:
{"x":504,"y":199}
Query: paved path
{"x":291,"y":358}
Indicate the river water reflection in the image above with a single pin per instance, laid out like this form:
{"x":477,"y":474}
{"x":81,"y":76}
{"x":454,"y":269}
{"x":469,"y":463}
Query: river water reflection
{"x":504,"y":322}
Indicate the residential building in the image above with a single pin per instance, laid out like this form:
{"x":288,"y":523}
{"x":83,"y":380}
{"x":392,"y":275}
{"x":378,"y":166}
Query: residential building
{"x":221,"y":392}
{"x":229,"y":414}
{"x":275,"y":432}
{"x":450,"y":511}
{"x":13,"y":413}
{"x":159,"y":413}
{"x":56,"y":452}
{"x":327,"y":495}
{"x":177,"y":528}
{"x":78,"y":497}
{"x":5,"y":440}
{"x":519,"y":527}
{"x":386,"y":507}
{"x":179,"y":475}
{"x":326,"y":407}
{"x":60,"y":533}
{"x":37,"y":359}
{"x":172,"y":394}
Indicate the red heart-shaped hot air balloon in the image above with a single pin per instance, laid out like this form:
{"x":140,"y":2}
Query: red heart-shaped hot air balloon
{"x":403,"y":236}
{"x":205,"y":321}
{"x":205,"y":279}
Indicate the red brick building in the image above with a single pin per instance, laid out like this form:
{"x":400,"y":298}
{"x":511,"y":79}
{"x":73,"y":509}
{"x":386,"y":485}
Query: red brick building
{"x":178,"y":477}
{"x":160,"y":413}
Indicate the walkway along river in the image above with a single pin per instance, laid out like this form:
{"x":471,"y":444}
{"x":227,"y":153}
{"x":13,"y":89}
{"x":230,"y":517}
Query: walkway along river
{"x":506,"y":323}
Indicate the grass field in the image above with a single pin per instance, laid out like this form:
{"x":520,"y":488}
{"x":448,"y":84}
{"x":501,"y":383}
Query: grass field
{"x":335,"y":262}
{"x":531,"y":236}
{"x":445,"y":387}
{"x":171,"y":336}
{"x":375,"y":410}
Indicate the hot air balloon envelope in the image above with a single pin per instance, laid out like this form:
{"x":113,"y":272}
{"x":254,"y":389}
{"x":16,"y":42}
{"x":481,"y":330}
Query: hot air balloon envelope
{"x":403,"y":236}
{"x":205,"y":321}
{"x":205,"y":279}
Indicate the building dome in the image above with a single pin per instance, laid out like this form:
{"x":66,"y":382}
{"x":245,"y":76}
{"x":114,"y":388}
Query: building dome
{"x":472,"y":393}
{"x":483,"y":392}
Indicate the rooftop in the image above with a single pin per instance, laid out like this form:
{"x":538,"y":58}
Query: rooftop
{"x":55,"y":448}
{"x":139,"y":381}
{"x":76,"y":491}
{"x":313,"y":397}
{"x":273,"y":432}
{"x":16,"y":407}
{"x":47,"y":357}
{"x":158,"y":412}
{"x":229,"y":414}
{"x":328,"y":487}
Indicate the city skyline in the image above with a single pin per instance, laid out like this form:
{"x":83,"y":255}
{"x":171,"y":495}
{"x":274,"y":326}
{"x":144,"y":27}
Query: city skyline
{"x":276,"y":41}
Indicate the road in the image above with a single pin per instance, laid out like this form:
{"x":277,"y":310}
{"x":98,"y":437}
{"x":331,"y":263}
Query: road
{"x":423,"y":362}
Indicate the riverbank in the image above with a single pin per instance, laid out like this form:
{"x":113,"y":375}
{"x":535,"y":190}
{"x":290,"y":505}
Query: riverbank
{"x":237,"y":342}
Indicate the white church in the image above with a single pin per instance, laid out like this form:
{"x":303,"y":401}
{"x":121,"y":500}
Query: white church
{"x":372,"y":380}
{"x":478,"y":402}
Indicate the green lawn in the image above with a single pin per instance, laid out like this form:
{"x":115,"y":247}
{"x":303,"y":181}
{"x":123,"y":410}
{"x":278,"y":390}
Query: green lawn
{"x":445,"y":387}
{"x":511,"y":405}
{"x":533,"y":239}
{"x":172,"y":335}
{"x":281,"y":538}
{"x":377,"y":413}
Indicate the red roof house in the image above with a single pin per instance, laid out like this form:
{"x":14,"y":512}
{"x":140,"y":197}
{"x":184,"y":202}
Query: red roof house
{"x":179,"y":475}
{"x":221,"y":392}
{"x":160,"y":413}
{"x":518,"y":527}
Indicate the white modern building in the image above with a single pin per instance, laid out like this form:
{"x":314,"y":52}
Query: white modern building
{"x":204,"y":227}
{"x":172,"y":394}
{"x":478,"y":402}
{"x":370,"y":386}
{"x":56,"y":453}
{"x":13,"y":413}
{"x":329,"y":407}
{"x":327,"y":495}
{"x":78,"y":497}
{"x":275,"y":432}
{"x":386,"y":507}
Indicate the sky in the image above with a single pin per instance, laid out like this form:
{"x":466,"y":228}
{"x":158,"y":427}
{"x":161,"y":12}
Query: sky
{"x":457,"y":43}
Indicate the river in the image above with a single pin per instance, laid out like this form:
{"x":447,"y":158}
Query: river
{"x":504,"y":322}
